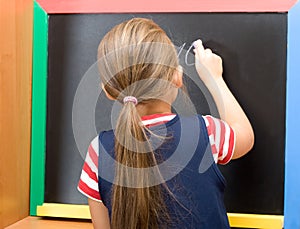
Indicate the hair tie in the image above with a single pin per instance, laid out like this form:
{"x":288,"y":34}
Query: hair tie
{"x":132,"y":99}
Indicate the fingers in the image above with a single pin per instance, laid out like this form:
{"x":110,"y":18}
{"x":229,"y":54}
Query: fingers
{"x":199,"y":47}
{"x":208,"y":51}
{"x":208,"y":64}
{"x":200,"y":51}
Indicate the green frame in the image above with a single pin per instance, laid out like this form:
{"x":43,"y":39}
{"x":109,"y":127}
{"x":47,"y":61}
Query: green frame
{"x":39,"y":107}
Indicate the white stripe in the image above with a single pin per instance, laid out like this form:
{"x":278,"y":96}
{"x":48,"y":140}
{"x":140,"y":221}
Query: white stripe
{"x":91,"y":164}
{"x":89,"y":181}
{"x":205,"y":119}
{"x":158,"y":119}
{"x":215,"y":156}
{"x":226,"y":141}
{"x":217,"y":134}
{"x":211,"y":136}
{"x":212,"y":143}
{"x":88,"y":196}
{"x":234,"y":142}
{"x":95,"y":145}
{"x":211,"y":140}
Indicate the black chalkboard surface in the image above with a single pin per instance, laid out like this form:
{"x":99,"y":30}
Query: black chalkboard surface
{"x":253,"y":47}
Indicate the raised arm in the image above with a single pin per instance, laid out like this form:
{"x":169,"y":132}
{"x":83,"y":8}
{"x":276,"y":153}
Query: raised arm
{"x":210,"y":70}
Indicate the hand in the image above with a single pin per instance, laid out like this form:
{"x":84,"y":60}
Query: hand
{"x":208,"y":64}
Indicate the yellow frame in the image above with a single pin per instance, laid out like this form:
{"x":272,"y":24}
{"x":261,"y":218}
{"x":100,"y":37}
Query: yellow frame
{"x":235,"y":219}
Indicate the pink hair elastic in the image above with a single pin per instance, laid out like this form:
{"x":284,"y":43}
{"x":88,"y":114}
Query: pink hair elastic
{"x":132,"y":99}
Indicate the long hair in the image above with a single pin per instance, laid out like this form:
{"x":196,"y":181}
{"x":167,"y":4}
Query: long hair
{"x":136,"y":58}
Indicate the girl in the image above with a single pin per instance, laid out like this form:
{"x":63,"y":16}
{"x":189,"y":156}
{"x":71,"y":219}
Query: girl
{"x":139,"y":68}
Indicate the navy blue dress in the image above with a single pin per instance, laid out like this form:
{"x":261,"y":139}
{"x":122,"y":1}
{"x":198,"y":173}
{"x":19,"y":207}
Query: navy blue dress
{"x":188,"y":168}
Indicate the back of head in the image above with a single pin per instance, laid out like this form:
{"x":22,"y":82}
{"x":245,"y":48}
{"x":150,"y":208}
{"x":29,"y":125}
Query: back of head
{"x":133,"y":51}
{"x":136,"y":58}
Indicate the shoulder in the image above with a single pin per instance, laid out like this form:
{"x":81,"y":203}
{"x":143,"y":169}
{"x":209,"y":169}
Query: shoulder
{"x":195,"y":120}
{"x":94,"y":145}
{"x":106,"y":137}
{"x":221,"y":137}
{"x":88,"y":183}
{"x":106,"y":143}
{"x":106,"y":134}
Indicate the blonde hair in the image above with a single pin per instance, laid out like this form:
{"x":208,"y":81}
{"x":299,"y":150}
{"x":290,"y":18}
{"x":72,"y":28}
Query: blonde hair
{"x":136,"y":58}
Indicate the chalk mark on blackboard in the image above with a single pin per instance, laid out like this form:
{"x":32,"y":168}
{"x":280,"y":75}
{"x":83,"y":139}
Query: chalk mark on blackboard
{"x":186,"y":54}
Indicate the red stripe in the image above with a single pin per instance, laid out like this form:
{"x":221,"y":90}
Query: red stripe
{"x":157,"y":123}
{"x":211,"y":127}
{"x":88,"y":170}
{"x":87,"y":190}
{"x":222,"y":138}
{"x":214,"y":149}
{"x":231,"y":142}
{"x":93,"y":155}
{"x":230,"y":149}
{"x":140,"y":6}
{"x":208,"y":127}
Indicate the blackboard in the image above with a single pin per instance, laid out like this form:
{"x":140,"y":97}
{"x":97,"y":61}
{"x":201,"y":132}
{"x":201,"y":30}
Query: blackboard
{"x":253,"y":47}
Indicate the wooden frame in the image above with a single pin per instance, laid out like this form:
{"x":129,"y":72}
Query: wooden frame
{"x":41,"y":10}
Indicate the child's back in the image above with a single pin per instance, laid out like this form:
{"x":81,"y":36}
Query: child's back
{"x":157,"y":169}
{"x":194,"y":198}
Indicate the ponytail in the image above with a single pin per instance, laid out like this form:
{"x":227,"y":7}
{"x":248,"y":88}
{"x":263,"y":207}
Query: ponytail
{"x":136,"y":58}
{"x":132,"y":147}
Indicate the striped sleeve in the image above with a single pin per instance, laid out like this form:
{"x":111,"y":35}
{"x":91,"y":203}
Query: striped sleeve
{"x":88,"y":182}
{"x":221,"y":138}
